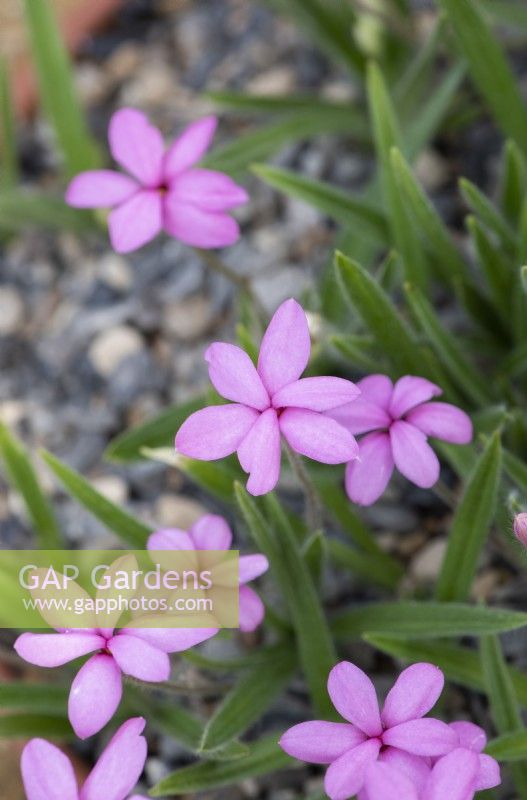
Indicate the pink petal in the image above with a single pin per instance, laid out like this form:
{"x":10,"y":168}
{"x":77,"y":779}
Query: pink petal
{"x":260,"y":455}
{"x":369,"y":475}
{"x":190,"y":146}
{"x":318,"y":437}
{"x":139,"y":658}
{"x":211,"y":532}
{"x":488,"y":775}
{"x":251,"y":610}
{"x":136,"y":221}
{"x":47,"y":773}
{"x":413,"y":456}
{"x":251,"y":567}
{"x":209,"y":190}
{"x":234,"y":376}
{"x":414,"y":693}
{"x":199,"y":228}
{"x":170,"y":539}
{"x":101,"y":188}
{"x":95,"y":694}
{"x":56,"y":649}
{"x":409,"y":392}
{"x":442,"y":421}
{"x":317,"y":394}
{"x":346,"y":776}
{"x":422,"y":737}
{"x":377,"y":389}
{"x":470,"y":736}
{"x":384,"y":782}
{"x":320,"y":742}
{"x":120,"y":765}
{"x":361,"y":416}
{"x":414,"y":767}
{"x":215,"y":432}
{"x":285,"y":347}
{"x":353,"y":695}
{"x":453,"y":777}
{"x":137,"y":145}
{"x":172,"y":640}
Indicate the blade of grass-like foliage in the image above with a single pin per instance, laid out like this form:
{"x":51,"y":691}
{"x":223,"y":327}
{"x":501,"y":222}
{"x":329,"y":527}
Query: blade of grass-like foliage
{"x":509,"y":747}
{"x":116,"y":519}
{"x":495,"y":267}
{"x":513,"y":181}
{"x":40,"y":698}
{"x":246,"y":661}
{"x":355,"y":350}
{"x":470,"y":525}
{"x":336,"y":203}
{"x":277,"y":540}
{"x":488,"y":213}
{"x":503,"y":699}
{"x":507,"y":12}
{"x":387,"y":134}
{"x":249,"y":699}
{"x":57,"y":88}
{"x":24,"y":726}
{"x":157,"y":432}
{"x":23,"y":477}
{"x":489,"y":67}
{"x":364,"y":565}
{"x":8,"y":154}
{"x":516,"y":470}
{"x":20,"y":209}
{"x":427,"y":620}
{"x":446,"y":347}
{"x":216,"y":478}
{"x":265,"y":756}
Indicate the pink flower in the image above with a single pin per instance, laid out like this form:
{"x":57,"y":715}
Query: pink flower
{"x":398,"y":737}
{"x":520,"y":527}
{"x":474,"y":739}
{"x":211,"y":532}
{"x":97,"y":688}
{"x":165,"y":190}
{"x":397,"y":420}
{"x":48,"y":775}
{"x":270,"y":401}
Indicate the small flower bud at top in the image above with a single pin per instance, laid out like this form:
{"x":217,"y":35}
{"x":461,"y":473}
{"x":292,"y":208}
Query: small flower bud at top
{"x":520,"y":527}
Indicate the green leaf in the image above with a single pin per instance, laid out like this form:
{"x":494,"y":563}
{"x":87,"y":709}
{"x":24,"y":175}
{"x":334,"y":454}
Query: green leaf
{"x":446,"y":347}
{"x":265,"y":756}
{"x":509,"y":747}
{"x":115,"y":518}
{"x":217,"y":478}
{"x":489,"y":67}
{"x":516,"y":470}
{"x":156,"y":432}
{"x":471,"y":523}
{"x":387,"y":135}
{"x":495,"y":267}
{"x":359,"y":351}
{"x":20,"y":209}
{"x":488,"y":213}
{"x":57,"y":88}
{"x":277,"y":540}
{"x":503,"y":699}
{"x":40,"y":698}
{"x":23,"y":477}
{"x":513,"y":182}
{"x":8,"y":150}
{"x":365,"y":566}
{"x":413,"y":620}
{"x":249,"y":699}
{"x":24,"y":726}
{"x":336,"y":203}
{"x":507,"y":12}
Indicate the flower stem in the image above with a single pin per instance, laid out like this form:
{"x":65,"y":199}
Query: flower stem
{"x":242,"y":282}
{"x":313,"y":504}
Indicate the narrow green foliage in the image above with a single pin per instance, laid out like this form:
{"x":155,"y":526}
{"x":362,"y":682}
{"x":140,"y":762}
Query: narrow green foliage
{"x":8,"y":151}
{"x":495,"y":267}
{"x":20,"y":209}
{"x":509,"y":747}
{"x":426,"y":121}
{"x":364,"y":565}
{"x":116,"y":519}
{"x":489,"y":67}
{"x":488,"y":214}
{"x":215,"y":477}
{"x":39,"y":698}
{"x":25,"y":726}
{"x":57,"y":88}
{"x":24,"y":479}
{"x":513,"y":182}
{"x":472,"y":520}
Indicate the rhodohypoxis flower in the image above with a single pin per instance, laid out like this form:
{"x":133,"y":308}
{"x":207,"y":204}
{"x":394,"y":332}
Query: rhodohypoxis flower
{"x":474,"y":739}
{"x":211,"y":532}
{"x":48,"y":774}
{"x":398,"y":736}
{"x":397,"y":419}
{"x":164,"y":190}
{"x":270,"y":400}
{"x":97,"y":688}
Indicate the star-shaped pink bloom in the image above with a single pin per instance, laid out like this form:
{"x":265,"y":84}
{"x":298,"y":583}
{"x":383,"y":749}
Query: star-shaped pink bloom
{"x":212,"y":532}
{"x":164,"y":190}
{"x":398,"y":736}
{"x":270,"y":401}
{"x":48,"y":774}
{"x":397,"y":419}
{"x":97,"y":688}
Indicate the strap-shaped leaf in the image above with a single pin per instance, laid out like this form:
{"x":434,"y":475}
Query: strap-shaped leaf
{"x":24,"y":726}
{"x":41,"y":698}
{"x":470,"y":526}
{"x":489,"y":215}
{"x":509,"y":747}
{"x":23,"y":477}
{"x":116,"y":519}
{"x":20,"y":209}
{"x":513,"y":181}
{"x":8,"y":154}
{"x":215,"y":477}
{"x":495,"y":267}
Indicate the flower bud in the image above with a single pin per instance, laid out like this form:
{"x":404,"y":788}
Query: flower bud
{"x":520,"y":527}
